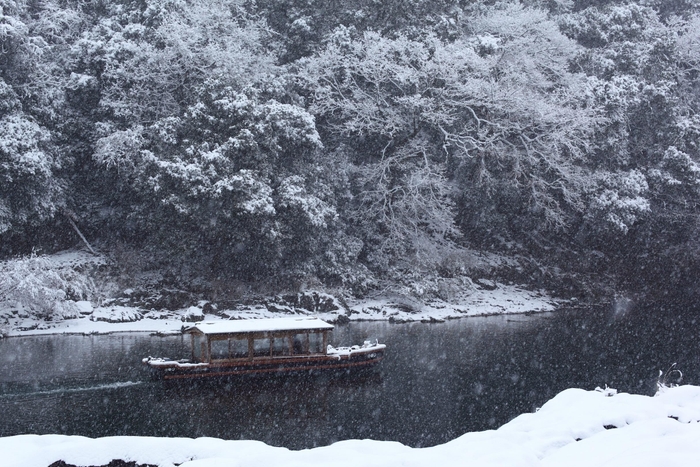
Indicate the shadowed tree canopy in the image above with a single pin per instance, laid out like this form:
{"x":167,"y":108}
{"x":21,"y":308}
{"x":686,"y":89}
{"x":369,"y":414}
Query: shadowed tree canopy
{"x":338,"y":141}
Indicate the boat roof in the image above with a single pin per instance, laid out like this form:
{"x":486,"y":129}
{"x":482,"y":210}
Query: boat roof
{"x":243,"y":326}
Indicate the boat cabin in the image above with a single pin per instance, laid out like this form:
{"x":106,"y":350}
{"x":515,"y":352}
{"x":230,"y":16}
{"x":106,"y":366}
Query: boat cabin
{"x":258,"y":339}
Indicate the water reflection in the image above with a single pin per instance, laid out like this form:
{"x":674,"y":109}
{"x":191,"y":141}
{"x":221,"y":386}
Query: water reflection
{"x":437,"y":381}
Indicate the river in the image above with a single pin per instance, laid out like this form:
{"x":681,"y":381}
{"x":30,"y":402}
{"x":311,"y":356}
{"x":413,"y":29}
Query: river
{"x":437,"y":381}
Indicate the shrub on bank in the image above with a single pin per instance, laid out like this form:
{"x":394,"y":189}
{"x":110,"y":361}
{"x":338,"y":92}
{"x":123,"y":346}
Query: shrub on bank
{"x":42,"y":288}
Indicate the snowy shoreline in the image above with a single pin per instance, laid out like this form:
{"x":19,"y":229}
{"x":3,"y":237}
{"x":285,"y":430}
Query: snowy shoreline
{"x":575,"y":428}
{"x":502,"y":300}
{"x":38,"y":287}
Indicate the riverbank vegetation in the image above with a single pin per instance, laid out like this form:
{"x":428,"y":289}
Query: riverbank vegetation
{"x":215,"y":144}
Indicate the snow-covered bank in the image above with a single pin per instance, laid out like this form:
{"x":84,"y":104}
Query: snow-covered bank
{"x":575,"y":428}
{"x":42,"y":305}
{"x":505,"y":299}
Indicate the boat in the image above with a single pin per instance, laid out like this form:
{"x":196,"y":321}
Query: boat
{"x":263,"y":346}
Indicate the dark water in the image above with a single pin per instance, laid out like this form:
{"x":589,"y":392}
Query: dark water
{"x":437,"y":381}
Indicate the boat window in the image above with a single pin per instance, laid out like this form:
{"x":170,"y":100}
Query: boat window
{"x":198,"y":348}
{"x":238,"y":348}
{"x":316,"y":342}
{"x":219,"y":349}
{"x":261,"y":347}
{"x":280,"y":346}
{"x":299,"y":344}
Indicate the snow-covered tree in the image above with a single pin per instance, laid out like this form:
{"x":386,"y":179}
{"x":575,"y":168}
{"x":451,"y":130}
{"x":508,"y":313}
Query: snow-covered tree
{"x":497,"y":113}
{"x":236,"y":169}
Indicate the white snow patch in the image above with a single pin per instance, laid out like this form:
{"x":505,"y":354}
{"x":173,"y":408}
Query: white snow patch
{"x":84,"y":307}
{"x":77,"y":259}
{"x":568,"y":431}
{"x":116,"y":314}
{"x":505,"y":299}
{"x":193,"y":314}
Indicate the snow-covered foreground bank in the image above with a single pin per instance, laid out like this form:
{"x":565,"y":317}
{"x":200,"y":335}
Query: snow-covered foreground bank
{"x":575,"y":428}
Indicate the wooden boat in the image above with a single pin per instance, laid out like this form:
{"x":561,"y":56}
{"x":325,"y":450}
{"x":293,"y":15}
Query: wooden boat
{"x":277,"y":345}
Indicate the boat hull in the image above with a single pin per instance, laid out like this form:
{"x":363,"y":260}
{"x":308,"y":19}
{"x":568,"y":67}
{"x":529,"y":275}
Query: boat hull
{"x":174,"y":370}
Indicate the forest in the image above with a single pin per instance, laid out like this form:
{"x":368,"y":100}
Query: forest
{"x":349,"y":144}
